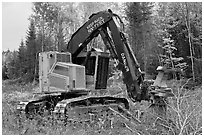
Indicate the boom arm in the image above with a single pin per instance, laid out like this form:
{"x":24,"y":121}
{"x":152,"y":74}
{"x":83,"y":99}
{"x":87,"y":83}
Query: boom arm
{"x":103,"y":23}
{"x":87,"y":32}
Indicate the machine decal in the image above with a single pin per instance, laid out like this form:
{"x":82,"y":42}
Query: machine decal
{"x":125,"y":62}
{"x":96,"y":23}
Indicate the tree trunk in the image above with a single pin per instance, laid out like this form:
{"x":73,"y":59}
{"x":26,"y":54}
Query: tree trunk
{"x":144,"y":47}
{"x":187,"y":20}
{"x":43,"y":33}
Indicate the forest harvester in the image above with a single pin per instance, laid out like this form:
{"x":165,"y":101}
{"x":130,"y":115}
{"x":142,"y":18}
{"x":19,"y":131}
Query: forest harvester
{"x":73,"y":84}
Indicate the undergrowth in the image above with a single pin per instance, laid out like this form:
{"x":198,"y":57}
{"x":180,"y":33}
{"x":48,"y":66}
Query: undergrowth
{"x":184,"y":115}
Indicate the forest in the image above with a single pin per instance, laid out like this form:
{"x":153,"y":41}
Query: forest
{"x":165,"y":34}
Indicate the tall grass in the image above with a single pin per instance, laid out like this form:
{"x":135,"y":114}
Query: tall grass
{"x":15,"y":124}
{"x":184,"y":115}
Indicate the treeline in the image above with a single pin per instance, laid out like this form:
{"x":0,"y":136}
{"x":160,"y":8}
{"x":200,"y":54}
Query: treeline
{"x":168,"y":34}
{"x":22,"y":64}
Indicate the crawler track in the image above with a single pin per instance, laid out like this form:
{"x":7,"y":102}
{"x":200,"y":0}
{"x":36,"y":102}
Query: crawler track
{"x":73,"y":109}
{"x":67,"y":108}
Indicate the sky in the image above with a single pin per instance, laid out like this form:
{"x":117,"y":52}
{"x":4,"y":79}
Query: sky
{"x":15,"y":23}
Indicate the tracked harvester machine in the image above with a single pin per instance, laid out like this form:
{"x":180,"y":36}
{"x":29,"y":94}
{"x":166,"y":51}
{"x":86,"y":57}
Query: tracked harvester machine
{"x":73,"y":84}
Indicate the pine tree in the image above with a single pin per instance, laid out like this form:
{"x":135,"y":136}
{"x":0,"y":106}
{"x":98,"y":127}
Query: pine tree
{"x":183,"y":24}
{"x":31,"y":52}
{"x":22,"y":59}
{"x":12,"y":65}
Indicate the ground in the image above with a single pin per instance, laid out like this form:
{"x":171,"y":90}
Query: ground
{"x":12,"y":124}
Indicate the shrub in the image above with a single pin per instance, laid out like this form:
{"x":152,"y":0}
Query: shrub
{"x":185,"y":110}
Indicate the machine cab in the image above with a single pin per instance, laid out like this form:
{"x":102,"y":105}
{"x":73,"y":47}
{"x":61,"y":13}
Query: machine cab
{"x":97,"y":67}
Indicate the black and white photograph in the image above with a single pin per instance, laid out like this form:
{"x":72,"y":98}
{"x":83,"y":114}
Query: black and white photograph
{"x":101,"y":68}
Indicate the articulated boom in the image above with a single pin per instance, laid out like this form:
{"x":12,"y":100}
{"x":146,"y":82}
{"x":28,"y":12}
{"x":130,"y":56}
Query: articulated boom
{"x":104,"y":23}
